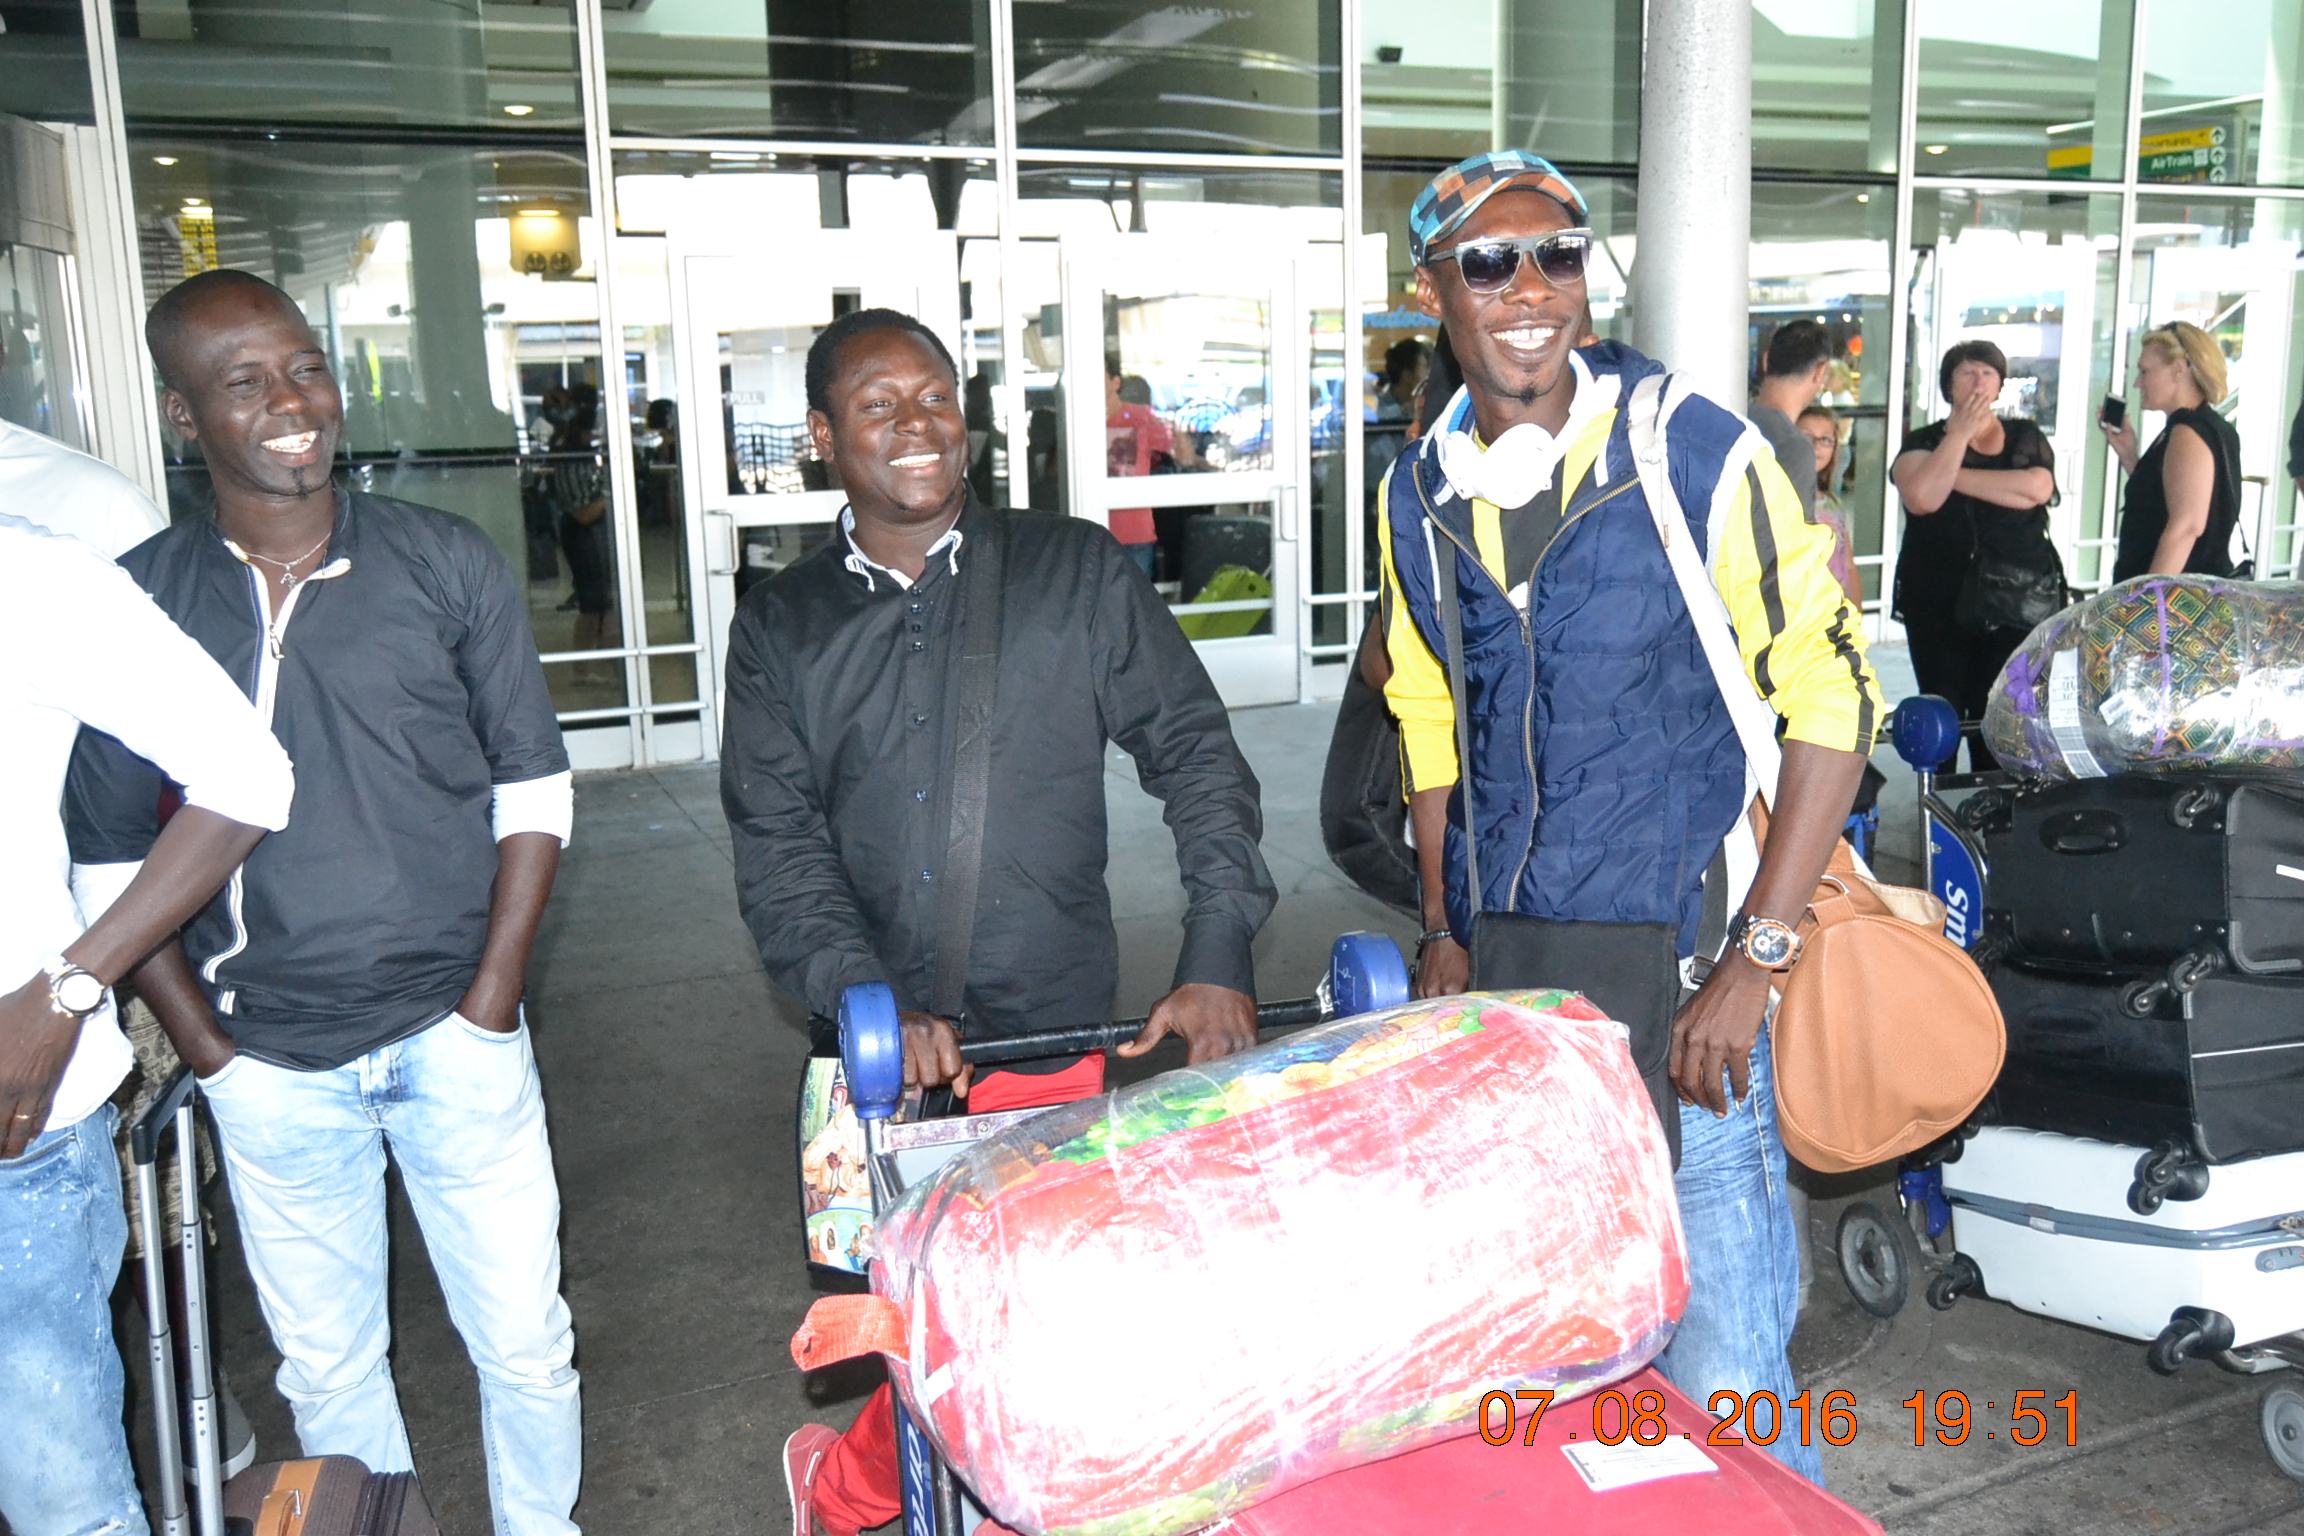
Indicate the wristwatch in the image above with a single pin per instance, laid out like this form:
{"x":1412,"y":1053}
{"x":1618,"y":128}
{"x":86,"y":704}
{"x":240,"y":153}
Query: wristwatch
{"x":1764,"y":941}
{"x":1432,"y":936}
{"x":72,"y":990}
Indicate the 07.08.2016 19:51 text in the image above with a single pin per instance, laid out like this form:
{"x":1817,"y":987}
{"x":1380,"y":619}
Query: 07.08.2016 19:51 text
{"x":1759,"y":1418}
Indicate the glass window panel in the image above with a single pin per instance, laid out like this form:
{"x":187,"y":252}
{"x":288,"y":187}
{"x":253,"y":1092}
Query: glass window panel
{"x":2023,"y":90}
{"x":1825,"y":81}
{"x":44,"y":63}
{"x":2222,"y":102}
{"x":40,"y":384}
{"x":2031,"y":273}
{"x":1821,"y":253}
{"x":586,"y":685}
{"x":2229,"y":267}
{"x":1442,"y":79}
{"x":411,"y":62}
{"x":824,"y":215}
{"x":1201,"y":210}
{"x":1150,"y":75}
{"x":762,"y":552}
{"x":915,"y":73}
{"x":453,"y":289}
{"x":652,"y":399}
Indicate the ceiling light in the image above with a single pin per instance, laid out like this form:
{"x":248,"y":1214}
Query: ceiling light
{"x":518,"y":109}
{"x":163,"y":159}
{"x":539,"y":213}
{"x":193,"y":202}
{"x":1863,"y":197}
{"x":1937,"y":149}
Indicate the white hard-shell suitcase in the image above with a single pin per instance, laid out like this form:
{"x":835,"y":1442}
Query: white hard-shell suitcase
{"x":2046,"y":1223}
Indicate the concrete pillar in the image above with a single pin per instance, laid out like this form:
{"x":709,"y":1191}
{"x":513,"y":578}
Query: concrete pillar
{"x":1690,"y":279}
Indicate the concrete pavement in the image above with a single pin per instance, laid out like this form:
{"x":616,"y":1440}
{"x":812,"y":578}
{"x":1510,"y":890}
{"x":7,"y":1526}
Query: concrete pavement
{"x":670,"y":1068}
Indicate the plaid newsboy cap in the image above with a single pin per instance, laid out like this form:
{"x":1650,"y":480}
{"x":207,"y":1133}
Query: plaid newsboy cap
{"x":1464,"y":186}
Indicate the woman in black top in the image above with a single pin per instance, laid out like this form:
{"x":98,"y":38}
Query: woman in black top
{"x":1968,"y":482}
{"x":2184,"y":492}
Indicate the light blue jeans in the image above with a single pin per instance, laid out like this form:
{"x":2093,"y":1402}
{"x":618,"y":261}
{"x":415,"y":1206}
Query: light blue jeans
{"x":1743,"y":1264}
{"x":462,"y":1113}
{"x":64,"y":1451}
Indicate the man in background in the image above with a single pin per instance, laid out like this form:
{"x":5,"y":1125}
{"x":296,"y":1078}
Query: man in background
{"x":1797,"y":367}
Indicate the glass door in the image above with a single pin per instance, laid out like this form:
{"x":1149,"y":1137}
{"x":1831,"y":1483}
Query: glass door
{"x":758,"y":497}
{"x":1189,"y":419}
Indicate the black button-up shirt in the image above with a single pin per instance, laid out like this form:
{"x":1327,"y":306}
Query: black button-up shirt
{"x":837,"y":761}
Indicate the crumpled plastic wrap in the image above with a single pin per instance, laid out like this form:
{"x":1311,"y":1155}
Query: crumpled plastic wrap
{"x":1136,"y":1314}
{"x":2160,"y":674}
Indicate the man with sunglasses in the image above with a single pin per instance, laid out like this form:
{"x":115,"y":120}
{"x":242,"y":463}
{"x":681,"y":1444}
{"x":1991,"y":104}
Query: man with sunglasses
{"x":1604,"y":773}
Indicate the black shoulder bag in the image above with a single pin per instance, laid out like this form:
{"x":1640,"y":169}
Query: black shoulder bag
{"x":983,"y":575}
{"x":833,"y":1203}
{"x":2015,"y":578}
{"x":1630,"y":971}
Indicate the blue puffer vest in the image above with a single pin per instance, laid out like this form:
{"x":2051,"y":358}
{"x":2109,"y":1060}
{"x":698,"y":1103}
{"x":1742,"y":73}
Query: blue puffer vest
{"x":1604,"y":769}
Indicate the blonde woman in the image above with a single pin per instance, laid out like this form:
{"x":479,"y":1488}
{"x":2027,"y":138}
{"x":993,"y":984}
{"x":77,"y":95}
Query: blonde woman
{"x":2184,"y":491}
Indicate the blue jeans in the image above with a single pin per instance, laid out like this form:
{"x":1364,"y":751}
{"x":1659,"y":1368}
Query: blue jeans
{"x":1743,"y":1263}
{"x":1146,"y":557}
{"x":64,"y":1454}
{"x":462,"y":1113}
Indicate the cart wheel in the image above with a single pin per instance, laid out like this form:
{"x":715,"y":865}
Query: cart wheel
{"x":1960,"y":1278}
{"x":1877,"y":1258}
{"x":2284,"y":1429}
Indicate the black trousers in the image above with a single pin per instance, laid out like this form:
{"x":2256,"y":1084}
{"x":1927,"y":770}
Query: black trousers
{"x":1960,"y":665}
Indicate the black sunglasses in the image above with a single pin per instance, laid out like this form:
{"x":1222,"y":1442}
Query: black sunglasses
{"x":1488,"y":266}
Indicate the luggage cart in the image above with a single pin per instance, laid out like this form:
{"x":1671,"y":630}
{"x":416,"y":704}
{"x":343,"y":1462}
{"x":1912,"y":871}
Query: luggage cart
{"x":2053,"y":1260}
{"x":1454,"y":1482}
{"x":1365,"y":973}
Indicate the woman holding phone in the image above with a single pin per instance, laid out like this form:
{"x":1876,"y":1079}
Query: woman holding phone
{"x":2184,"y":491}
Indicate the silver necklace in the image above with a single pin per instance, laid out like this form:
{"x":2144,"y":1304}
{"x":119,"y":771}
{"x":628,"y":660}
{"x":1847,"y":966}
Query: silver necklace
{"x":288,"y":567}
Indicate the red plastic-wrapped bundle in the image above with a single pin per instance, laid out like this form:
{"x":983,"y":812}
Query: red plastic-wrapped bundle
{"x":1136,"y":1314}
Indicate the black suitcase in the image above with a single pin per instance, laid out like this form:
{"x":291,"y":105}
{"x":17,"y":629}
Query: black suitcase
{"x":316,"y":1496}
{"x":2119,"y":1055}
{"x":2149,"y":870}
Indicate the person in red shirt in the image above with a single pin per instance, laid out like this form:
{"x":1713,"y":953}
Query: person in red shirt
{"x":1134,"y":439}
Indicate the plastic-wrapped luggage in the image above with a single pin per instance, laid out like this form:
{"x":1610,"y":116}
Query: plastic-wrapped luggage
{"x":1139,"y":1313}
{"x":2160,"y":674}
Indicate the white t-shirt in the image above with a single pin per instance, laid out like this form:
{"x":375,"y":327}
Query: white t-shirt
{"x":66,"y":491}
{"x":80,"y":643}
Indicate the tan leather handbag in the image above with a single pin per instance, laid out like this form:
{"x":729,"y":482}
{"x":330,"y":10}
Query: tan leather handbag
{"x":1886,"y":1035}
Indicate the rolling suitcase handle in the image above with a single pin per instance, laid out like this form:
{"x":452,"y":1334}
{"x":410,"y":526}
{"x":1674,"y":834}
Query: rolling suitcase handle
{"x":174,"y":1104}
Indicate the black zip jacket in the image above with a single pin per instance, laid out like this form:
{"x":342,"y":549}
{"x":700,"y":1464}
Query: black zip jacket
{"x":836,"y":761}
{"x":404,"y":687}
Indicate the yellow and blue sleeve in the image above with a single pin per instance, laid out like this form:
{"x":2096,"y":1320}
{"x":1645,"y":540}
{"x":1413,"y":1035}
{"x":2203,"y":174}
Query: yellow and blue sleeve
{"x":1802,"y":640}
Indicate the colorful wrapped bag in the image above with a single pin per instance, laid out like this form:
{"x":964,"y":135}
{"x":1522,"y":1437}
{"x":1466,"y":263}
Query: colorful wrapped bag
{"x":2160,"y":674}
{"x":1136,"y":1314}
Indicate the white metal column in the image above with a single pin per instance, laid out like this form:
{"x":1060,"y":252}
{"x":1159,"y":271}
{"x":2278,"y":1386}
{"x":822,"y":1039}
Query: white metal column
{"x":1693,"y":288}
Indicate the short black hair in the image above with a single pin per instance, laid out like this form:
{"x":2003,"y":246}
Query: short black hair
{"x":1978,"y":351}
{"x":824,"y":353}
{"x":164,"y":326}
{"x":1403,"y":358}
{"x":1796,"y":348}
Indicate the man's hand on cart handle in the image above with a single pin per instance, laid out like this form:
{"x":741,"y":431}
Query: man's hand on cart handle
{"x":1214,"y":1021}
{"x":1443,"y":968}
{"x":932,"y":1054}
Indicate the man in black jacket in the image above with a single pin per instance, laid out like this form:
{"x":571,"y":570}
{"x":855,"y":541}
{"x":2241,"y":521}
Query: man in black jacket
{"x":359,"y":981}
{"x":845,"y":705}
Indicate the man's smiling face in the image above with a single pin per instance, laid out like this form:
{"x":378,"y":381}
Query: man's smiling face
{"x":895,"y":431}
{"x":1512,"y":345}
